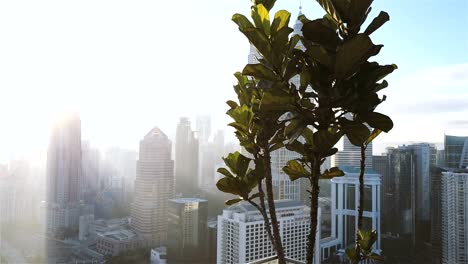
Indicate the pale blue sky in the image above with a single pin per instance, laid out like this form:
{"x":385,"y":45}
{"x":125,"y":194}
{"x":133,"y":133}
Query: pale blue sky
{"x":127,"y":66}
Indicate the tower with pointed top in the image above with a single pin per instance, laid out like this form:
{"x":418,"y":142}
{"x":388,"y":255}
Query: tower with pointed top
{"x":154,"y":186}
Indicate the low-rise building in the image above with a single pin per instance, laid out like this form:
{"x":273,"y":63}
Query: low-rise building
{"x":112,"y":243}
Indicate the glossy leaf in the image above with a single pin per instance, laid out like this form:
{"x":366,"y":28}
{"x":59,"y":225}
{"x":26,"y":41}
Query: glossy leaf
{"x":233,"y":201}
{"x":372,"y":136}
{"x":332,"y":173}
{"x":377,"y":22}
{"x":327,"y":5}
{"x":225,"y":172}
{"x":280,"y":21}
{"x":327,"y":138}
{"x":352,"y":53}
{"x":261,"y":18}
{"x":356,"y":132}
{"x":378,"y":120}
{"x":258,"y":71}
{"x":317,"y":32}
{"x":295,"y":170}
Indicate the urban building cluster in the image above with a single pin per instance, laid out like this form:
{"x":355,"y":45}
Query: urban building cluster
{"x":163,"y":199}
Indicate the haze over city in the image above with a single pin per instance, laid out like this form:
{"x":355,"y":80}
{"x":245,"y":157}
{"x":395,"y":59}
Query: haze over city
{"x":126,"y":67}
{"x":116,"y":144}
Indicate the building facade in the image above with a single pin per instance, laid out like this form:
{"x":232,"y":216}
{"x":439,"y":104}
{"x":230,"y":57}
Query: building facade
{"x":187,"y":229}
{"x":242,"y":237}
{"x":456,"y":152}
{"x":399,"y":203}
{"x":154,"y":186}
{"x":64,"y":175}
{"x":186,"y":159}
{"x":345,"y":203}
{"x":454,"y":217}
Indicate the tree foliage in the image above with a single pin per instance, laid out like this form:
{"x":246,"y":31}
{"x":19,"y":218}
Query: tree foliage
{"x":337,"y":96}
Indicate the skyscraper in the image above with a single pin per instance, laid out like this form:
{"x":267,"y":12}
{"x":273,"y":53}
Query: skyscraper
{"x":454,"y":217}
{"x":188,"y":229}
{"x":64,"y":175}
{"x":154,"y":186}
{"x":399,"y":203}
{"x":351,"y":155}
{"x":186,"y":159}
{"x":456,"y":152}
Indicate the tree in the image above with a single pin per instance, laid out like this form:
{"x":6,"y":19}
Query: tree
{"x":336,"y":96}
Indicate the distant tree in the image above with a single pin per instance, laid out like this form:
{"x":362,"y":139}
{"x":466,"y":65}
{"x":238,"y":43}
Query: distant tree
{"x":336,"y":96}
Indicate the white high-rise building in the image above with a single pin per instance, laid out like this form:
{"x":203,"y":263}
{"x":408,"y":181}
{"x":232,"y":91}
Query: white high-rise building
{"x":154,"y":186}
{"x":345,"y":203}
{"x":351,"y":155}
{"x":242,"y":237}
{"x":454,"y":204}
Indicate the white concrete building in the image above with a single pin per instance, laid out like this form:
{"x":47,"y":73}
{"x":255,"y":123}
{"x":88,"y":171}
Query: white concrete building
{"x":345,"y":202}
{"x":159,"y":255}
{"x":351,"y":155}
{"x":243,"y":239}
{"x":454,"y":204}
{"x":154,"y":186}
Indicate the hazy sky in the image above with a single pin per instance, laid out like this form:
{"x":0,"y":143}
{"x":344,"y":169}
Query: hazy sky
{"x":127,"y":66}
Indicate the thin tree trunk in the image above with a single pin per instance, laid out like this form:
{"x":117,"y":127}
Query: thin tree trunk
{"x":314,"y":194}
{"x":272,"y":210}
{"x":262,"y":209}
{"x":361,"y":187}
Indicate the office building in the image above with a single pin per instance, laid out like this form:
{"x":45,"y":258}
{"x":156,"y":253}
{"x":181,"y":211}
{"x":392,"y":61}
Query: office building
{"x":399,"y":202}
{"x":64,"y":175}
{"x":454,"y":198}
{"x":187,"y":229}
{"x":186,"y":159}
{"x":456,"y":152}
{"x":242,"y":237}
{"x":154,"y":186}
{"x":351,"y":155}
{"x":345,"y":203}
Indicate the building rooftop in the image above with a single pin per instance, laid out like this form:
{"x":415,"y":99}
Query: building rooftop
{"x":279,"y":204}
{"x":351,"y":169}
{"x":120,"y":235}
{"x":188,"y":200}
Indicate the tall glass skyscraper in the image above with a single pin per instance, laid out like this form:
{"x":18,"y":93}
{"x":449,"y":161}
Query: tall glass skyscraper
{"x":456,"y":152}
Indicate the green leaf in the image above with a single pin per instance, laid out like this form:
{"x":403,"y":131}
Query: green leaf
{"x":237,"y":163}
{"x":375,"y":256}
{"x":377,"y":22}
{"x":327,"y":5}
{"x":332,"y":173}
{"x":276,"y":100}
{"x":295,"y":170}
{"x":294,"y":129}
{"x":357,"y":11}
{"x":229,"y":185}
{"x":351,"y":54}
{"x":276,"y":146}
{"x":373,"y":135}
{"x":377,"y":120}
{"x":259,"y":71}
{"x":320,"y":55}
{"x":318,"y":32}
{"x":280,"y":21}
{"x":352,"y":254}
{"x":232,"y":104}
{"x":296,"y":146}
{"x":242,"y":115}
{"x":308,"y":135}
{"x":225,"y":172}
{"x":268,"y":4}
{"x":326,"y":138}
{"x":356,"y":132}
{"x":261,"y":18}
{"x":233,"y":201}
{"x":242,"y":22}
{"x":259,"y":40}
